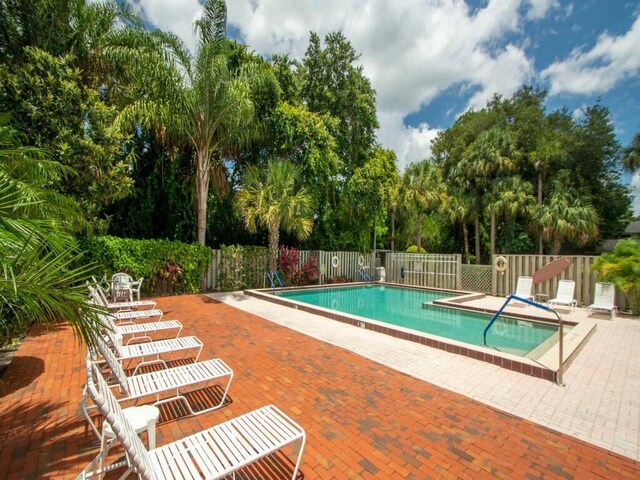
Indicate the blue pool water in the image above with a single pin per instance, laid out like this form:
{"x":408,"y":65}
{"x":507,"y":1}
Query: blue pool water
{"x":404,"y":307}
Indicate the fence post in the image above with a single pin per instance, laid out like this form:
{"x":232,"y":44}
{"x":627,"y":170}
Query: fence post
{"x":458,"y":272}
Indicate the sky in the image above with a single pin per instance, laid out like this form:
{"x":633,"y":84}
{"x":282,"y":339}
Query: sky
{"x":431,"y":60}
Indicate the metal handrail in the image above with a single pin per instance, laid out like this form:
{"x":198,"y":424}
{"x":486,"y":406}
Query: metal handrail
{"x":272,"y":277}
{"x":537,"y":305}
{"x":268,"y":276}
{"x":364,"y":275}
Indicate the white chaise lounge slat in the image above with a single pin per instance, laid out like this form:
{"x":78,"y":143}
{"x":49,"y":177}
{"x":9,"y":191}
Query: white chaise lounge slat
{"x":211,"y":454}
{"x":149,"y":353}
{"x":169,"y":380}
{"x":141,"y":331}
{"x":132,"y":315}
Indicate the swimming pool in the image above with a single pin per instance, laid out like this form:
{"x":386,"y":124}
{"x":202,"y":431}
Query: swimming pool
{"x":412,"y":309}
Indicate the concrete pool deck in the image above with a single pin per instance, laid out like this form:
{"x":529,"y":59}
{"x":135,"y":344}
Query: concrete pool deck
{"x":600,"y":403}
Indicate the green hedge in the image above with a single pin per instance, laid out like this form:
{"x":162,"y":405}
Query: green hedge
{"x":167,"y":266}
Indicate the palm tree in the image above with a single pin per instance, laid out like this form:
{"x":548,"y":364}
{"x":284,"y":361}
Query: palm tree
{"x":195,"y":99}
{"x":548,"y":154}
{"x":458,"y":209}
{"x":273,"y":201}
{"x":631,"y":154}
{"x":423,"y":189}
{"x":507,"y":197}
{"x":39,"y":279}
{"x":492,"y":157}
{"x":564,"y":215}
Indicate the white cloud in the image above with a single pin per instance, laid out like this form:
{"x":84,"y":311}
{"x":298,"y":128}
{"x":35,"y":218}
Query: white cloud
{"x":539,"y":8}
{"x":176,"y":16}
{"x":411,"y":50}
{"x":596,"y":71}
{"x":411,"y":144}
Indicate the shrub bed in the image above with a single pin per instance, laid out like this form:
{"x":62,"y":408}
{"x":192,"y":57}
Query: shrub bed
{"x":167,"y":266}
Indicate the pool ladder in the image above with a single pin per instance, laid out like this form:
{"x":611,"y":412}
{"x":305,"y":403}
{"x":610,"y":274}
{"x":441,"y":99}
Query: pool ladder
{"x":273,"y":277}
{"x":364,"y":275}
{"x":543,"y":307}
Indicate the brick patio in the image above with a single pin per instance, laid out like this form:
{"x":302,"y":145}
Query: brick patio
{"x":363,"y":420}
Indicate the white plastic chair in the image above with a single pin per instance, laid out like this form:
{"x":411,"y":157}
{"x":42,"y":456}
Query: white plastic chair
{"x":604,"y":298}
{"x":523,"y":288}
{"x":565,"y":295}
{"x":121,"y":286}
{"x":135,"y":288}
{"x":102,"y":298}
{"x":210,"y":454}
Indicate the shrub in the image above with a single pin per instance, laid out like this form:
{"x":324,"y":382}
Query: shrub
{"x":622,"y":268}
{"x":288,"y":259}
{"x":242,"y":267}
{"x":167,"y":266}
{"x":414,"y":249}
{"x":309,"y":273}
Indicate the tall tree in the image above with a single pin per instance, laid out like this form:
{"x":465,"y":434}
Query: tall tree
{"x":49,"y":100}
{"x":193,"y":99}
{"x":369,"y":193}
{"x":566,"y":216}
{"x":274,"y":200}
{"x":423,"y":190}
{"x":631,"y":154}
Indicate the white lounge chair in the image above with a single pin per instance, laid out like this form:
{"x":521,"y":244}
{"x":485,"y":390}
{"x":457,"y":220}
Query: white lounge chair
{"x":150,"y":353}
{"x":565,"y":295}
{"x":211,"y":454}
{"x":605,"y":298}
{"x":523,"y":288}
{"x":134,"y":332}
{"x":101,"y":297}
{"x":170,"y":380}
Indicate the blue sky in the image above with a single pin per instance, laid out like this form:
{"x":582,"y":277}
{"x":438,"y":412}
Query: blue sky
{"x":431,"y":60}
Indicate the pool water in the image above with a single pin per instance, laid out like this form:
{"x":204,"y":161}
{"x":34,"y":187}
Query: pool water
{"x":404,"y":307}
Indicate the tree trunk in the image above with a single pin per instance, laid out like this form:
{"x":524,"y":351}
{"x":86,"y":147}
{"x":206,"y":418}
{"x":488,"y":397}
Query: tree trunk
{"x":540,"y":239}
{"x":465,"y":234}
{"x":556,"y":245}
{"x":274,"y":239}
{"x":393,"y":231}
{"x":203,"y":168}
{"x":493,"y":232}
{"x":477,"y":241}
{"x":540,"y":244}
{"x":419,"y":232}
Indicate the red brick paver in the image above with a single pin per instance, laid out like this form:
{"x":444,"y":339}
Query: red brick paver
{"x":363,"y":420}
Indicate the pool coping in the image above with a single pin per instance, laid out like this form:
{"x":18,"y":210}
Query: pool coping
{"x":541,"y":368}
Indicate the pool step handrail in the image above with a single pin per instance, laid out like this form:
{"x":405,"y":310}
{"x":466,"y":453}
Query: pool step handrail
{"x":537,"y":305}
{"x":272,"y":277}
{"x":364,"y":275}
{"x":268,"y":277}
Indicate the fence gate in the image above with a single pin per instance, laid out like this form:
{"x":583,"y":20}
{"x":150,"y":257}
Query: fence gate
{"x":476,"y":278}
{"x":424,"y":270}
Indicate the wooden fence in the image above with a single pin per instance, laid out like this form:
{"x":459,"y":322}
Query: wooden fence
{"x":424,"y":270}
{"x":581,"y":271}
{"x":249,"y":272}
